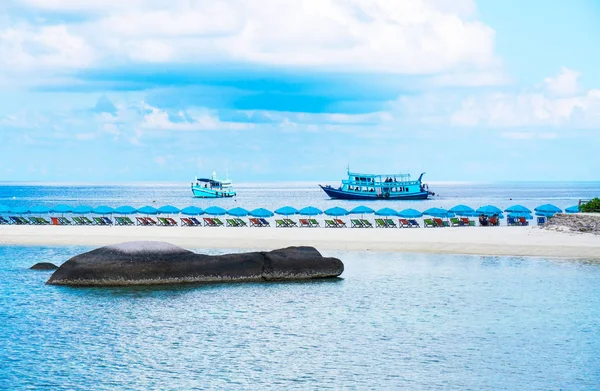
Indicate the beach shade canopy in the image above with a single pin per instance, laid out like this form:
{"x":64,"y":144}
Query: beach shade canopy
{"x":62,"y":208}
{"x":238,"y":212}
{"x":310,"y":211}
{"x":4,"y":209}
{"x":386,"y":212}
{"x":39,"y":209}
{"x":573,"y":209}
{"x":286,"y":211}
{"x":361,"y":210}
{"x":192,"y":211}
{"x":169,"y":209}
{"x":488,"y":210}
{"x":20,"y":210}
{"x":126,"y":210}
{"x":336,"y":211}
{"x":518,"y":215}
{"x":438,"y":212}
{"x":518,"y":209}
{"x":103,"y":210}
{"x":410,"y":213}
{"x":261,"y":212}
{"x":462,"y":210}
{"x":215,"y":211}
{"x":148,"y":210}
{"x":547,"y":210}
{"x":82,"y":209}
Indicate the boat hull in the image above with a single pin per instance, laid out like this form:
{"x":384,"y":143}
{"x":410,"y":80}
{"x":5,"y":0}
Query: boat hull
{"x":346,"y":195}
{"x":202,"y":192}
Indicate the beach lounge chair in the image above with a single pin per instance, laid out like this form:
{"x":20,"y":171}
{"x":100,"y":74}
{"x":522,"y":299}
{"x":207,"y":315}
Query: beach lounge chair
{"x":55,"y":220}
{"x":511,"y":221}
{"x":141,"y":221}
{"x":42,"y":221}
{"x":429,"y":223}
{"x":355,"y":223}
{"x":240,"y":222}
{"x":290,"y":222}
{"x":330,"y":224}
{"x":164,"y":222}
{"x":107,"y":221}
{"x":208,"y":222}
{"x":440,"y":223}
{"x":264,"y":222}
{"x":541,"y":220}
{"x":456,"y":222}
{"x":414,"y":223}
{"x":86,"y":221}
{"x":493,"y":221}
{"x":99,"y":221}
{"x":151,"y":221}
{"x":172,"y":221}
{"x":313,"y":223}
{"x":64,"y":221}
{"x":196,"y":221}
{"x":340,"y":223}
{"x":231,"y":223}
{"x":16,"y":220}
{"x":33,"y":220}
{"x":366,"y":223}
{"x":280,"y":223}
{"x":466,"y":222}
{"x":217,"y":221}
{"x":78,"y":221}
{"x":254,"y":222}
{"x":4,"y":221}
{"x":119,"y":221}
{"x":127,"y":221}
{"x":305,"y":223}
{"x":523,"y":221}
{"x":380,"y":223}
{"x":390,"y":223}
{"x":403,"y":223}
{"x":186,"y":222}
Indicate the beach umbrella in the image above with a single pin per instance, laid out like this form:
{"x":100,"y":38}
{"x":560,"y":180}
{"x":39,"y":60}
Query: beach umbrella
{"x":192,"y":211}
{"x":488,"y":210}
{"x":82,"y":209}
{"x":336,"y":211}
{"x":215,"y":211}
{"x":147,"y":210}
{"x":4,"y":209}
{"x":310,"y":211}
{"x":361,"y":210}
{"x":518,"y":215}
{"x":438,"y":212}
{"x":410,"y":214}
{"x":62,"y":208}
{"x":19,"y":210}
{"x":462,"y":210}
{"x":40,"y":209}
{"x":573,"y":209}
{"x":286,"y":211}
{"x":261,"y":212}
{"x":386,"y":212}
{"x":126,"y":210}
{"x":238,"y":212}
{"x":547,"y":210}
{"x":103,"y":210}
{"x":168,"y":209}
{"x":517,"y":209}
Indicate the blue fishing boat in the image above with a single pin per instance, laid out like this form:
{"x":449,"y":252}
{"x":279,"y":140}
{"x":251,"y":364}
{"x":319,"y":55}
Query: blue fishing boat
{"x":212,"y":187}
{"x":379,"y":187}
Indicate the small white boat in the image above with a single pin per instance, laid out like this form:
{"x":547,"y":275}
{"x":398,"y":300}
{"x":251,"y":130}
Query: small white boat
{"x":212,"y":187}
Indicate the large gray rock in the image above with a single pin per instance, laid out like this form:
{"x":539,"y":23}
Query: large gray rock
{"x":44,"y":266}
{"x":148,"y":263}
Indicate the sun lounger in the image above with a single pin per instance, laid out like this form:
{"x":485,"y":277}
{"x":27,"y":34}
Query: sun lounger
{"x":254,"y":222}
{"x":128,"y":221}
{"x":280,"y":224}
{"x":64,"y":221}
{"x":466,"y":222}
{"x":171,"y":221}
{"x":33,"y":220}
{"x":195,"y":221}
{"x":290,"y":222}
{"x":414,"y":223}
{"x":55,"y":221}
{"x":186,"y":222}
{"x":4,"y":221}
{"x":366,"y":223}
{"x":340,"y":223}
{"x":403,"y":223}
{"x":305,"y":223}
{"x":313,"y":222}
{"x":78,"y":221}
{"x":208,"y":222}
{"x":355,"y":223}
{"x":217,"y":221}
{"x":429,"y":223}
{"x":390,"y":223}
{"x":511,"y":221}
{"x":86,"y":221}
{"x":380,"y":223}
{"x":456,"y":222}
{"x":541,"y":220}
{"x":264,"y":222}
{"x":493,"y":221}
{"x":16,"y":220}
{"x":141,"y":221}
{"x":240,"y":222}
{"x":163,"y":221}
{"x":107,"y":221}
{"x":231,"y":223}
{"x":99,"y":221}
{"x":523,"y":221}
{"x":440,"y":223}
{"x":330,"y":224}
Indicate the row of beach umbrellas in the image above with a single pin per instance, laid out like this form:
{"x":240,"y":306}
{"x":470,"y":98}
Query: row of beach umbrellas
{"x":515,"y":211}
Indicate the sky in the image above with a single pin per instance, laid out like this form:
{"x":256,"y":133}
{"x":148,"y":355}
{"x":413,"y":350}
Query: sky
{"x":297,"y":90}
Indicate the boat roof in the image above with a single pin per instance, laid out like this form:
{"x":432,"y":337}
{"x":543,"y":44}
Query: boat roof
{"x":377,"y":175}
{"x":212,"y":180}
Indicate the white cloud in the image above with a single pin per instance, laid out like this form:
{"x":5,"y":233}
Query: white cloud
{"x":397,"y":36}
{"x":564,"y":84}
{"x":198,"y":120}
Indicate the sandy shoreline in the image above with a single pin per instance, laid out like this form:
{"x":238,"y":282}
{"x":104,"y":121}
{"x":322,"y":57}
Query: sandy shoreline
{"x":517,"y":241}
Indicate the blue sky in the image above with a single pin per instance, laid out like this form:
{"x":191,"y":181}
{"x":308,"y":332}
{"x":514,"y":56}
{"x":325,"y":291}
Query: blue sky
{"x":293,"y":90}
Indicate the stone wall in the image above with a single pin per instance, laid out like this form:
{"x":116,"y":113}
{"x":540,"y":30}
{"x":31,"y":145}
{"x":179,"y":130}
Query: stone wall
{"x":581,"y":222}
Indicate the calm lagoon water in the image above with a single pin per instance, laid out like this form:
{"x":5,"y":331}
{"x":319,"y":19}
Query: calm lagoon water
{"x":394,"y":321}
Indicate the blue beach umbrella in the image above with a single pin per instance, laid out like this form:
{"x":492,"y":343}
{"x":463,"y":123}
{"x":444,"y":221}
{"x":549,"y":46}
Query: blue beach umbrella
{"x":261,"y":212}
{"x":82,"y":209}
{"x":62,"y":208}
{"x":19,"y":210}
{"x":410,"y":213}
{"x":573,"y":209}
{"x":168,"y":209}
{"x":462,"y":210}
{"x":103,"y":210}
{"x":40,"y":209}
{"x":215,"y":211}
{"x":286,"y":211}
{"x":148,"y":210}
{"x":126,"y":210}
{"x":4,"y":209}
{"x":386,"y":212}
{"x":517,"y":209}
{"x":488,"y":210}
{"x":547,"y":210}
{"x":438,"y":212}
{"x":238,"y":212}
{"x":361,"y":210}
{"x":310,"y":211}
{"x":192,"y":211}
{"x":336,"y":211}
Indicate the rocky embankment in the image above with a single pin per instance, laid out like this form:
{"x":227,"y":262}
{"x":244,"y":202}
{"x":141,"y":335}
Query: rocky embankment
{"x":581,"y":222}
{"x":149,"y":263}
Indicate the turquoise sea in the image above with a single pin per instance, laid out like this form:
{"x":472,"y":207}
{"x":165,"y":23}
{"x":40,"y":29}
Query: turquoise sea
{"x":393,"y":321}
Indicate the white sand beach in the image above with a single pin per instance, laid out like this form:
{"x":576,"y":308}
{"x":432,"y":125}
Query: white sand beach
{"x":513,"y":241}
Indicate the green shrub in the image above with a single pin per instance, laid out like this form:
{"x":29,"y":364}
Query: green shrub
{"x":591,"y":206}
